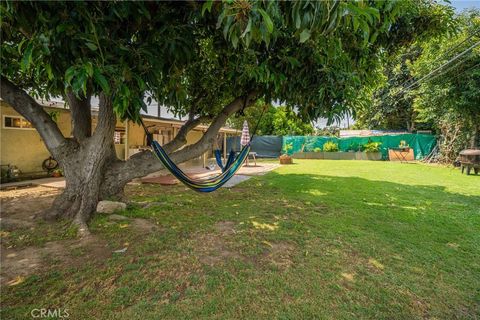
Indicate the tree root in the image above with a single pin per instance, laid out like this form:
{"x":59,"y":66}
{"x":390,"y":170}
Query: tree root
{"x":82,"y":228}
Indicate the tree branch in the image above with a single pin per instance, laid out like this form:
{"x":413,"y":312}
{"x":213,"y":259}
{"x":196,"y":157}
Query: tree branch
{"x":181,"y":138}
{"x":24,"y":104}
{"x":106,"y":121}
{"x":81,"y":112}
{"x":145,"y":162}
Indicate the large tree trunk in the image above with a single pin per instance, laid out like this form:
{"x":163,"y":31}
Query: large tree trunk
{"x":84,"y":176}
{"x":474,"y":140}
{"x":84,"y":166}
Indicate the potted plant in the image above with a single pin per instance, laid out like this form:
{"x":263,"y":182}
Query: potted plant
{"x":372,"y":150}
{"x":57,"y":173}
{"x":330,"y":146}
{"x":403,"y":144}
{"x":332,"y":152}
{"x":285,"y":158}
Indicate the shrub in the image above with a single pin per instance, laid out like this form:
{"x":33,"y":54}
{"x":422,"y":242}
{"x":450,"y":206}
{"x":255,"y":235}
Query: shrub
{"x":355,"y":147}
{"x":330,"y":146}
{"x":372,"y":146}
{"x":287,"y":147}
{"x":317,"y":149}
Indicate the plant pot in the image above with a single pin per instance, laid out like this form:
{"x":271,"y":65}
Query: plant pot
{"x":286,"y":159}
{"x":375,"y":156}
{"x":300,"y":155}
{"x":339,"y":155}
{"x":313,"y":155}
{"x":56,"y":174}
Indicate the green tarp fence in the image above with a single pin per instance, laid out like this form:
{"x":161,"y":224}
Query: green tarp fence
{"x":422,"y":144}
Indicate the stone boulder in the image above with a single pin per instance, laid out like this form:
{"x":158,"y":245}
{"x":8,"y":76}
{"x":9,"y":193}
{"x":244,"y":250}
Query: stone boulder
{"x":106,"y":206}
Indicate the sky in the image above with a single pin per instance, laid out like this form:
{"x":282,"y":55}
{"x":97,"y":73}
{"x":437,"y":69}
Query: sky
{"x":461,"y":5}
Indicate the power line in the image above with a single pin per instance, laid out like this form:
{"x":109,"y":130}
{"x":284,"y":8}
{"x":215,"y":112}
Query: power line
{"x":431,"y":73}
{"x":445,"y":64}
{"x":449,"y":50}
{"x":448,"y":70}
{"x":414,"y":83}
{"x":456,"y":76}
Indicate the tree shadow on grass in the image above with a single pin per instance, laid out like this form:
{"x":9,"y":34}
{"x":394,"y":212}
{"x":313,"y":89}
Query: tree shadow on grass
{"x":353,"y":204}
{"x":358,"y":190}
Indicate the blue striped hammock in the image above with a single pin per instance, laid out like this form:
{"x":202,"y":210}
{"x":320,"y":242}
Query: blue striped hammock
{"x":232,"y":165}
{"x":230,"y":159}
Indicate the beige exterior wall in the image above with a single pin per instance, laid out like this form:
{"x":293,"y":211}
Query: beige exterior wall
{"x":193,"y":136}
{"x":24,"y":148}
{"x":119,"y":148}
{"x":136,"y":135}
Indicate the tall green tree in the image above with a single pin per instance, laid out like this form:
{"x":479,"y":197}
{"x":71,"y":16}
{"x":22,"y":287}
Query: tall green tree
{"x":390,"y":104}
{"x":272,"y":120}
{"x":204,"y":59}
{"x":449,"y":101}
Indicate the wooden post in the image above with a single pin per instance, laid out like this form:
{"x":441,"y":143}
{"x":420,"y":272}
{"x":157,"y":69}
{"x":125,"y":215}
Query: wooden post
{"x":204,"y":156}
{"x":225,"y":146}
{"x":126,"y":139}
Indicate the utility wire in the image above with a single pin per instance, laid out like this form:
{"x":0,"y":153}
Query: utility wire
{"x":445,"y":64}
{"x":431,"y":73}
{"x":435,"y":76}
{"x":448,"y":51}
{"x":450,"y":69}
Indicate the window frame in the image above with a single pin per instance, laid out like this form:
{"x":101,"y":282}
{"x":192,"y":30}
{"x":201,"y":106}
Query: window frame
{"x":123,"y":132}
{"x":15,"y":117}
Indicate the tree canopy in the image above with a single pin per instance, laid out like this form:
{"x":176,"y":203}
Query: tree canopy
{"x":272,"y":120}
{"x":313,"y":55}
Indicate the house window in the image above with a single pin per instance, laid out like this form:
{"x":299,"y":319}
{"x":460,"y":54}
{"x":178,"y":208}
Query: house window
{"x":119,"y":136}
{"x":16,"y":122}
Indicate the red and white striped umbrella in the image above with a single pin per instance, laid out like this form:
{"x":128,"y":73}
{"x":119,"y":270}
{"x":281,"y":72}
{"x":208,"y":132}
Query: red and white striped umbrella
{"x":245,"y":134}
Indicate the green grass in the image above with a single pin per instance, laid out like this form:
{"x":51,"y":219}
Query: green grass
{"x":317,"y":239}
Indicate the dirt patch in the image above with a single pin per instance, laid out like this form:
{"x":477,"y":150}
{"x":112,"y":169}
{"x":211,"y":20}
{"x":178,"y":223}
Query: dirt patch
{"x":18,"y":264}
{"x":225,"y":228}
{"x":213,"y":248}
{"x":217,"y":248}
{"x":25,"y":203}
{"x":137,"y":224}
{"x":144,"y":225}
{"x":19,"y":207}
{"x":8,"y":224}
{"x":280,"y":254}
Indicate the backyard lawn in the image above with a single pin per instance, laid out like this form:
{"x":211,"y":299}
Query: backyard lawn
{"x":317,"y":239}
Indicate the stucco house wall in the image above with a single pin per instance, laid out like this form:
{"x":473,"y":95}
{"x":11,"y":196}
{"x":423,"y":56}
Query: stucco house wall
{"x":24,"y":148}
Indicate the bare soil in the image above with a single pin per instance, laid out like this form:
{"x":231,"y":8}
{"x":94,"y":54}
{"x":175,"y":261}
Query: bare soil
{"x":25,"y":203}
{"x":217,"y":248}
{"x":19,"y":208}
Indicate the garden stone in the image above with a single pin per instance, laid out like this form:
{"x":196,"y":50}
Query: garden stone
{"x":106,"y":206}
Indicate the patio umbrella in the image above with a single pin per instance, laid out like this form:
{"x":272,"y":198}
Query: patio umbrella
{"x":245,"y":134}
